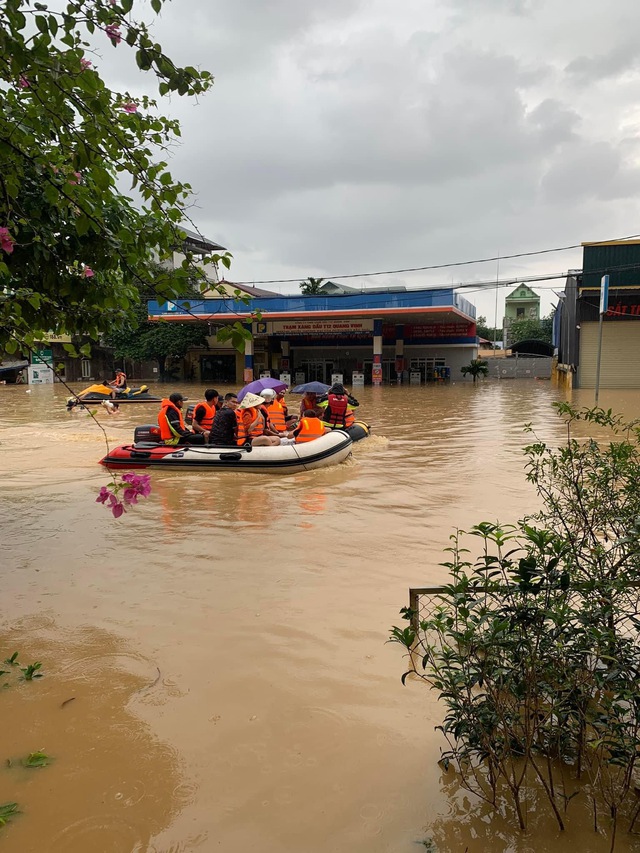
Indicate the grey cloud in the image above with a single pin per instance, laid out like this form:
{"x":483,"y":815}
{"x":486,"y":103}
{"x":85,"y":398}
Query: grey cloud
{"x":591,"y":69}
{"x":345,"y":137}
{"x":591,"y":171}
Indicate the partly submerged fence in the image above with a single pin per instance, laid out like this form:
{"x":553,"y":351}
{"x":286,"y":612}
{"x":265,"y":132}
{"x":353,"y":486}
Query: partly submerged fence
{"x":424,"y":600}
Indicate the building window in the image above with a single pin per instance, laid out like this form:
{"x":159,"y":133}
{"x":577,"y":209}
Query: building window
{"x":519,"y":312}
{"x":86,"y":368}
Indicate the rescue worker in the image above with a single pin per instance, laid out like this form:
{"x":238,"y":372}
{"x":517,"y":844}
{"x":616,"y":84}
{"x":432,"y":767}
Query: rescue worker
{"x":224,"y":429}
{"x":274,"y":413}
{"x":278,"y":411}
{"x":171,"y":422}
{"x":338,"y":408}
{"x":120,"y":382}
{"x":309,"y":428}
{"x":252,"y":423}
{"x":204,"y":413}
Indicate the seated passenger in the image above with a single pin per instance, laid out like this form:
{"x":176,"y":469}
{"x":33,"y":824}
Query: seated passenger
{"x":252,"y":423}
{"x":273,"y":412}
{"x":308,"y":402}
{"x":171,"y":422}
{"x":309,"y":428}
{"x":205,"y":412}
{"x":338,"y":408}
{"x":224,"y":429}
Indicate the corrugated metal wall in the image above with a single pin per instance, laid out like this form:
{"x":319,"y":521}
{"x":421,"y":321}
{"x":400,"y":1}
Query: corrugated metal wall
{"x":620,"y":364}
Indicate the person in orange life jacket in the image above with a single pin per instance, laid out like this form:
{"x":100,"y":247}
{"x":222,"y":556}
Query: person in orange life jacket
{"x":274,"y":413}
{"x":171,"y":422}
{"x":204,"y":413}
{"x":309,"y":401}
{"x":252,"y":423}
{"x":338,"y":407}
{"x":224,"y":429}
{"x":120,"y":382}
{"x":309,"y":428}
{"x":279,"y":412}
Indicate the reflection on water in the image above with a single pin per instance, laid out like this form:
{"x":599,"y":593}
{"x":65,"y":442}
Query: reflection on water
{"x":279,"y":722}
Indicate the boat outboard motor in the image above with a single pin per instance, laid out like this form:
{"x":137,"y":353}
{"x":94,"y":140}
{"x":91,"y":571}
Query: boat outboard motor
{"x":149,"y":434}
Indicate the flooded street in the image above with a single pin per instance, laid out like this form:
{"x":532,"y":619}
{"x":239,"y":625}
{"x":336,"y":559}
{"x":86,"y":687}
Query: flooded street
{"x":223,"y":644}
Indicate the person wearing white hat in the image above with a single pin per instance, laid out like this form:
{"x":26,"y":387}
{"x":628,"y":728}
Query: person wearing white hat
{"x":274,"y":414}
{"x":252,"y":423}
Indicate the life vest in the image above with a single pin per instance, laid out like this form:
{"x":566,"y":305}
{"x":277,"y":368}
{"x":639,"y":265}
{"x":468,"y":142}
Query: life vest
{"x":256,"y":430}
{"x":336,"y":413}
{"x":210,"y":413}
{"x":310,"y":429}
{"x":120,"y":380}
{"x":167,"y":433}
{"x":277,"y":412}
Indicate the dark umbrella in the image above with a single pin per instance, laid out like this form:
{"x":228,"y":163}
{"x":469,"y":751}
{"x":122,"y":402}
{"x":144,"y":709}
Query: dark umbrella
{"x":311,"y":388}
{"x":258,"y":385}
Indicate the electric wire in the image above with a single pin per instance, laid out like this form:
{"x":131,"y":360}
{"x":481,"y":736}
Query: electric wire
{"x":442,"y":266}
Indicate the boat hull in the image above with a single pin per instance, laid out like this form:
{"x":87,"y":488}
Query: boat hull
{"x":330,"y":449}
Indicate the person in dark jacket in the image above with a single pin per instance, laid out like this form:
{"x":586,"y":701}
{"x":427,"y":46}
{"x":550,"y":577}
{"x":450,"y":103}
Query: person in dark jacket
{"x":224,"y":429}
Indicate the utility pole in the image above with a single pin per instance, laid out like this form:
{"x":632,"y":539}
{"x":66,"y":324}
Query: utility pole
{"x":604,"y":304}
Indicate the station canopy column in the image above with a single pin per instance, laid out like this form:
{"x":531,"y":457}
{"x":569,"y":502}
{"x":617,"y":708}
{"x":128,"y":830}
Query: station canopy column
{"x":376,"y":367}
{"x":399,"y":352}
{"x":248,"y":357}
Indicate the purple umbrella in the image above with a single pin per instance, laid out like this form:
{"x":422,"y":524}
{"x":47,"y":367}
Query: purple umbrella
{"x":258,"y":385}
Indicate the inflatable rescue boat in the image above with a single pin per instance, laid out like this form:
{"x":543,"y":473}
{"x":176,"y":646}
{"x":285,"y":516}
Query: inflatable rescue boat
{"x":329,"y":449}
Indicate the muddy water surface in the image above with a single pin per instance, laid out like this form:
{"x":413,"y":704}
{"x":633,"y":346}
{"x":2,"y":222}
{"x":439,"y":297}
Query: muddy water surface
{"x":223,"y":643}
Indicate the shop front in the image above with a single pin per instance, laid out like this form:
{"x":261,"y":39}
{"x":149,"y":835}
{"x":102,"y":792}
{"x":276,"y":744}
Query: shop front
{"x":419,"y":336}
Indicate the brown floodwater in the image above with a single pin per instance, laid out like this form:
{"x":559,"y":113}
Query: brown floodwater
{"x":223,"y":644}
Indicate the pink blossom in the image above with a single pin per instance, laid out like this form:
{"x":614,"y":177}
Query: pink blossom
{"x":130,"y":107}
{"x":104,"y":495}
{"x":139,"y":485}
{"x":6,"y":241}
{"x":87,"y":272}
{"x":113,"y":31}
{"x":85,"y":63}
{"x":23,"y":83}
{"x":76,"y":178}
{"x":117,"y":509}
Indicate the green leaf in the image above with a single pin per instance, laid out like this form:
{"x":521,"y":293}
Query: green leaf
{"x":156,"y":5}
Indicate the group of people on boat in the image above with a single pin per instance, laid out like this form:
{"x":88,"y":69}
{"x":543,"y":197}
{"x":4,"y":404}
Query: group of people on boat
{"x":259,"y":420}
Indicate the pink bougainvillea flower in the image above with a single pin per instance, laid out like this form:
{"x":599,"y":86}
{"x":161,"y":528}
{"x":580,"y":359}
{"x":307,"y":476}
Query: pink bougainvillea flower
{"x":23,"y":83}
{"x":85,"y":63}
{"x":87,"y":272}
{"x":75,"y":177}
{"x":117,"y":509}
{"x":6,"y":241}
{"x":104,"y":495}
{"x":130,"y":107}
{"x":113,"y":31}
{"x":139,"y":485}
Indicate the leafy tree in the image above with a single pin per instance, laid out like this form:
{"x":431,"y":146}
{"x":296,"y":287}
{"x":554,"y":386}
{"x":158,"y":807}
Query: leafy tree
{"x":157,"y":341}
{"x":536,"y":330}
{"x":311,"y":286}
{"x":476,"y":367}
{"x":487,"y":332}
{"x":74,"y":248}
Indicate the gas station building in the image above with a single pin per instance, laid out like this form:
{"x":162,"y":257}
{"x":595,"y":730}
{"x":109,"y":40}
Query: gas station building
{"x":374,"y":338}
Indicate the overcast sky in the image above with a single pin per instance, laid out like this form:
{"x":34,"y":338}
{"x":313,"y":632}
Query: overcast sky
{"x":349,"y":136}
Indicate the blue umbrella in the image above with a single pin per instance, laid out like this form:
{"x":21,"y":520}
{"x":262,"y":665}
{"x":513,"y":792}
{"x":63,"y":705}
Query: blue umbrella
{"x":311,"y":388}
{"x":259,"y":385}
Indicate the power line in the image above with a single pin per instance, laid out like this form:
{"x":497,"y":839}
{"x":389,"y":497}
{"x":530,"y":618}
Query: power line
{"x":439,"y":266}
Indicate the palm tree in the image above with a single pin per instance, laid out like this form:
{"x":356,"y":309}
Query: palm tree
{"x":476,"y":368}
{"x":311,"y":286}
